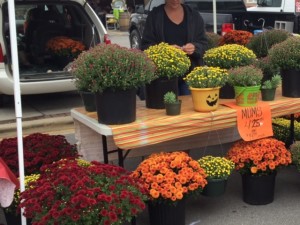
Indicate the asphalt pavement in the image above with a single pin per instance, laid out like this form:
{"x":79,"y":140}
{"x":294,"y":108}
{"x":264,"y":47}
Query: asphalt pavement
{"x":228,"y":209}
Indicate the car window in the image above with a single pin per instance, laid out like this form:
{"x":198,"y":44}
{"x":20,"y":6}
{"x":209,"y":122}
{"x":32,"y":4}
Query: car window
{"x":153,"y":3}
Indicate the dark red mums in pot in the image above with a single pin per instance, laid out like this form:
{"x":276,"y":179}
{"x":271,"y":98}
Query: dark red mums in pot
{"x":39,"y":149}
{"x":72,"y":192}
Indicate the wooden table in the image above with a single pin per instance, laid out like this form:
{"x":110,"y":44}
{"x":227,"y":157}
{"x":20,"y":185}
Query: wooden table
{"x":153,"y":131}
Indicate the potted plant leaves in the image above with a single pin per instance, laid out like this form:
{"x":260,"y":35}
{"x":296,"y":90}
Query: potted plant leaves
{"x":205,"y":83}
{"x":226,"y":57}
{"x":258,"y":162}
{"x":217,"y":169}
{"x":172,"y":104}
{"x":170,"y":63}
{"x":268,"y":88}
{"x":286,"y":56}
{"x":114,"y":73}
{"x":169,"y":178}
{"x":246,"y":81}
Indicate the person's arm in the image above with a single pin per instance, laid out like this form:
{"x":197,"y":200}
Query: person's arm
{"x":150,"y":34}
{"x":200,"y":39}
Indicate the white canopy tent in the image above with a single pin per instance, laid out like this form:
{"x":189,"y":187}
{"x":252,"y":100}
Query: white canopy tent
{"x":17,"y":94}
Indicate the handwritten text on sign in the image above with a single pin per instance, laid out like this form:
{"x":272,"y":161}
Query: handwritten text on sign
{"x":253,"y":122}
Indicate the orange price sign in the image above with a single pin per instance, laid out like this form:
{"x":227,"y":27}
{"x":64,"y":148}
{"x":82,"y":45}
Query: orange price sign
{"x":253,"y":122}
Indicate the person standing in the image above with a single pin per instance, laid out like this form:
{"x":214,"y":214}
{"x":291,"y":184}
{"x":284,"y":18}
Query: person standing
{"x":178,"y":25}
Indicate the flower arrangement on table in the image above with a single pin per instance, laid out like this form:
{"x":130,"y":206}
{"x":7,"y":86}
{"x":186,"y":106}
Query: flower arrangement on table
{"x":64,"y":46}
{"x":267,"y":67}
{"x":216,"y":167}
{"x":259,"y":157}
{"x":229,"y":56}
{"x":169,"y":177}
{"x":112,"y":66}
{"x":206,"y":77}
{"x":239,"y":37}
{"x":170,"y":61}
{"x":285,"y":54}
{"x":68,"y":192}
{"x":245,"y":76}
{"x":39,"y":149}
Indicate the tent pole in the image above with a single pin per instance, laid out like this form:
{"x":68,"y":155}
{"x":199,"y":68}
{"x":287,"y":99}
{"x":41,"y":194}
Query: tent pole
{"x":17,"y":95}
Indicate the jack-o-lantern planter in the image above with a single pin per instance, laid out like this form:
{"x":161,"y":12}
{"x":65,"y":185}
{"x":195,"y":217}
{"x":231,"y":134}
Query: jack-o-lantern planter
{"x":205,"y":83}
{"x":205,"y":99}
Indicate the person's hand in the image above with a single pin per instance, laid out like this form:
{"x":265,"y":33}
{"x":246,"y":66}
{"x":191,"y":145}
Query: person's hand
{"x":177,"y":46}
{"x":189,"y":48}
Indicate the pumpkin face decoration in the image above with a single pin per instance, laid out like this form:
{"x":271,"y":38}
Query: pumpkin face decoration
{"x":212,"y":100}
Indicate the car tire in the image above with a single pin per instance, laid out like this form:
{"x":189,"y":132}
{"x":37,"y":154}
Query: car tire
{"x":135,"y":39}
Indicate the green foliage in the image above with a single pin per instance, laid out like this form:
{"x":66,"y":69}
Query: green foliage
{"x":170,"y":97}
{"x":216,"y":167}
{"x":286,"y":54}
{"x":213,"y":39}
{"x":261,"y":43}
{"x":281,"y":129}
{"x":112,"y":66}
{"x":295,"y":151}
{"x":267,"y":67}
{"x":245,"y":76}
{"x":273,"y":83}
{"x":229,"y":56}
{"x":169,"y":60}
{"x":206,"y":77}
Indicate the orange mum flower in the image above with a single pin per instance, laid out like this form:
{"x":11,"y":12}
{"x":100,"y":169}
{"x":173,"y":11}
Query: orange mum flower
{"x":263,"y":155}
{"x":65,"y":46}
{"x":170,"y":176}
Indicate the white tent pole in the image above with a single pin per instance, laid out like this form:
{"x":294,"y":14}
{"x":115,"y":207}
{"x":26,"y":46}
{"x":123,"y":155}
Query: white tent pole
{"x":215,"y":15}
{"x":17,"y":95}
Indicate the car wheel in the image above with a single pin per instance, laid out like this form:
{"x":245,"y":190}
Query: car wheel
{"x":135,"y":39}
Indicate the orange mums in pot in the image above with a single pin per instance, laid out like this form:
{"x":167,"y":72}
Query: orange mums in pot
{"x":170,"y":177}
{"x":259,"y":157}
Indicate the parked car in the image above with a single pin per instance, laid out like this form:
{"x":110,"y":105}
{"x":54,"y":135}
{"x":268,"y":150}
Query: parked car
{"x":36,"y":23}
{"x":228,"y":11}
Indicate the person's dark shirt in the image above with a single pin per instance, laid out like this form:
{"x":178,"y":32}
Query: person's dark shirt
{"x":155,"y":28}
{"x":176,"y":34}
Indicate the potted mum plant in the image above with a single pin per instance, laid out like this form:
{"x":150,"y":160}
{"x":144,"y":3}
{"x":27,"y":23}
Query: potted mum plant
{"x":217,"y":169}
{"x":172,"y":104}
{"x":258,"y":161}
{"x":295,"y":151}
{"x":171,"y":63}
{"x":246,"y":81}
{"x":240,"y":37}
{"x":286,"y":56}
{"x":169,"y":177}
{"x":69,"y":192}
{"x":226,"y":57}
{"x":39,"y":149}
{"x":268,"y":88}
{"x":205,"y":83}
{"x":113,"y":73}
{"x":260,"y":44}
{"x":64,"y":49}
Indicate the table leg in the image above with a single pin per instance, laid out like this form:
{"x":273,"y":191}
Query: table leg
{"x":105,"y":151}
{"x":292,"y":131}
{"x":120,"y":157}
